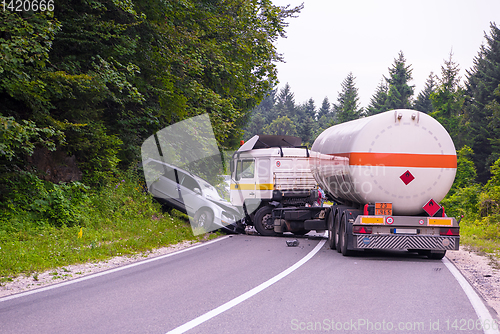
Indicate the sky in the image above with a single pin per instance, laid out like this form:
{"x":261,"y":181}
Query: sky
{"x":331,"y":38}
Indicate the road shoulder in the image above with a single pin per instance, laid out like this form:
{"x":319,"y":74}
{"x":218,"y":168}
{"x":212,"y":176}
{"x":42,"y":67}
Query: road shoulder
{"x":483,"y":274}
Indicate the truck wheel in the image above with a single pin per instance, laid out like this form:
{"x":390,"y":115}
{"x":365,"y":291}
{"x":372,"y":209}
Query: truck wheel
{"x":336,"y":232}
{"x":343,"y":235}
{"x":331,"y":236}
{"x":436,"y":256}
{"x":263,"y":221}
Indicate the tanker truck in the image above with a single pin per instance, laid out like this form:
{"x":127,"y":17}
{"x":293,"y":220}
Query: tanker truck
{"x":385,"y":175}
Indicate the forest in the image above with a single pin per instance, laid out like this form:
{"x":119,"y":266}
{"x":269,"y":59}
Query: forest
{"x":83,"y":84}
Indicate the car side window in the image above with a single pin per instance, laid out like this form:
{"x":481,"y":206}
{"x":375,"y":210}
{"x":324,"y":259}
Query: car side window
{"x":189,"y":182}
{"x":160,"y":169}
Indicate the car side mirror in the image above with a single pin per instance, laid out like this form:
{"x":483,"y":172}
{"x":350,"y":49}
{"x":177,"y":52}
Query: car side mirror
{"x":197,"y":191}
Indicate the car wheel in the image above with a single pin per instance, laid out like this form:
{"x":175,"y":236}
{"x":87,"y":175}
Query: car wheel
{"x":263,"y":221}
{"x":204,"y":219}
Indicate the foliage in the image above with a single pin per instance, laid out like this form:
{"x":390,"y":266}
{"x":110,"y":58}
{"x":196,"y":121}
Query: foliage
{"x":378,"y":100}
{"x":400,"y":92}
{"x":108,"y":74}
{"x":44,"y":202}
{"x":18,"y":140}
{"x":324,"y":109}
{"x":479,"y":205}
{"x":423,"y":102}
{"x":448,"y":99}
{"x":347,"y":108}
{"x":463,"y":197}
{"x":481,"y":103}
{"x":281,"y":126}
{"x":118,"y":219}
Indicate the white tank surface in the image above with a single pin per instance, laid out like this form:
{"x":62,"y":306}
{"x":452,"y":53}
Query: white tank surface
{"x":403,"y":157}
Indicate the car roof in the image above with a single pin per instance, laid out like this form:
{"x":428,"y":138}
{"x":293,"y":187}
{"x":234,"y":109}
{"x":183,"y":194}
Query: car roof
{"x":175,"y":167}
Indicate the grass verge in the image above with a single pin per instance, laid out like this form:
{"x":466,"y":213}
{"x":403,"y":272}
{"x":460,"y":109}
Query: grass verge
{"x":119,"y":219}
{"x":481,"y":235}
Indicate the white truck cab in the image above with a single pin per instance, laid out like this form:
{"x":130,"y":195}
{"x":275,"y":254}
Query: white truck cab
{"x":269,"y":172}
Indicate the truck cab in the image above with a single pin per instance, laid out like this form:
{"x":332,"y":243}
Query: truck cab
{"x":269,"y":172}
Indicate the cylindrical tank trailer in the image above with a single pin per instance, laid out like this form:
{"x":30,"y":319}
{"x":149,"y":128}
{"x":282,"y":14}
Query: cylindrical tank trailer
{"x":403,"y":157}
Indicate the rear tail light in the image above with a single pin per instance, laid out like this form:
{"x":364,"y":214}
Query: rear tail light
{"x":449,"y":231}
{"x":362,"y":229}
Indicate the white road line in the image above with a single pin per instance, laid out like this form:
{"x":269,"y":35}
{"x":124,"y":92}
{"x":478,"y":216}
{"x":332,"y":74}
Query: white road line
{"x":224,"y":307}
{"x":490,"y":325}
{"x":81,"y":279}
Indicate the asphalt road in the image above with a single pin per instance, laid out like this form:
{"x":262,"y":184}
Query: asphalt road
{"x":253,"y":284}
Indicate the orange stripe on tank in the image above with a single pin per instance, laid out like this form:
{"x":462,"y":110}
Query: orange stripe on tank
{"x":400,"y":159}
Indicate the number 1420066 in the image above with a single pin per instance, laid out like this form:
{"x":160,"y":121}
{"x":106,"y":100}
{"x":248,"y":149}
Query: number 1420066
{"x":28,"y":5}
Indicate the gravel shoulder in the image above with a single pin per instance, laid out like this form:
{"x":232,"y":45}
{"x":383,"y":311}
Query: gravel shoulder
{"x":58,"y":275}
{"x":480,"y":270}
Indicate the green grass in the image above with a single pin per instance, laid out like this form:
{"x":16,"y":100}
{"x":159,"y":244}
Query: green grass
{"x":482,"y":235}
{"x":119,"y":219}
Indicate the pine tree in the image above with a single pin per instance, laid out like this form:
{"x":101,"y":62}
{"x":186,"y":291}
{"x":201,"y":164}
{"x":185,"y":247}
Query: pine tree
{"x":423,"y":102}
{"x":325,"y":108}
{"x":307,"y":127}
{"x":267,"y":107}
{"x":400,"y":92}
{"x":483,"y":80}
{"x":285,"y":103}
{"x":448,"y":100}
{"x":379,"y":99}
{"x":310,"y":108}
{"x":348,"y":108}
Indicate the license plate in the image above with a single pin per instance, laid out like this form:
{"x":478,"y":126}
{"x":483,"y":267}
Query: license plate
{"x":405,"y":231}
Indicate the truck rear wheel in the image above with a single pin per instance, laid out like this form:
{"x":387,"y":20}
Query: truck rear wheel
{"x":332,"y":243}
{"x":263,"y":221}
{"x":344,"y":236}
{"x":436,"y":255}
{"x":336,"y":232}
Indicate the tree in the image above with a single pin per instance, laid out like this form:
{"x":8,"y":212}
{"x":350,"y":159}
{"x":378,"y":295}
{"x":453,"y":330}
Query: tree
{"x":281,"y":126}
{"x":423,"y":102}
{"x":400,"y":92}
{"x":347,"y":108}
{"x":482,"y":83}
{"x":466,"y":171}
{"x":306,"y":130}
{"x":285,"y":102}
{"x":325,"y":108}
{"x":108,"y":74}
{"x":310,"y":109}
{"x":448,"y":100}
{"x":379,"y":99}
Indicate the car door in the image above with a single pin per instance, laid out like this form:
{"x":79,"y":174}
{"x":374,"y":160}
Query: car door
{"x":165,"y":185}
{"x":191,"y":193}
